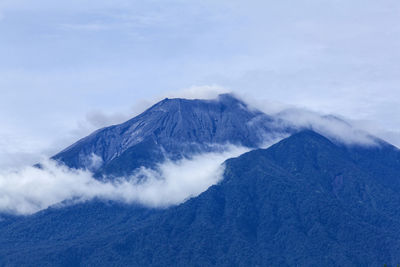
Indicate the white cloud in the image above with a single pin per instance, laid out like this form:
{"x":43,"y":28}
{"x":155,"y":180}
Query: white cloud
{"x":32,"y":189}
{"x":335,"y":127}
{"x":199,"y":92}
{"x":390,"y":135}
{"x":332,"y":127}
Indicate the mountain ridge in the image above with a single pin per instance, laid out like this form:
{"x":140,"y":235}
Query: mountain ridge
{"x":305,"y":209}
{"x":307,"y":200}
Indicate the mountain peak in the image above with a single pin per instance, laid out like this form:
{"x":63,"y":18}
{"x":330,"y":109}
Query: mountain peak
{"x":230,"y":98}
{"x":179,"y":127}
{"x":174,"y":105}
{"x":308,"y":135}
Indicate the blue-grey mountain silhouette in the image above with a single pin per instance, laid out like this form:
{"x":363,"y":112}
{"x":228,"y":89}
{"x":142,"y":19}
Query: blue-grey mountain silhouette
{"x":305,"y":201}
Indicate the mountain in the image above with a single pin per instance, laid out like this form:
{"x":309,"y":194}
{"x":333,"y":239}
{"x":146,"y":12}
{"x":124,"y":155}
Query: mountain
{"x":173,"y":129}
{"x":305,"y":201}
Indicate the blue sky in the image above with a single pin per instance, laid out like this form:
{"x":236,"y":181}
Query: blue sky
{"x":68,"y":67}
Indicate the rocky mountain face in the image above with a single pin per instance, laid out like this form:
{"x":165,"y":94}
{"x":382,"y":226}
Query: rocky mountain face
{"x":172,"y":128}
{"x":302,"y":202}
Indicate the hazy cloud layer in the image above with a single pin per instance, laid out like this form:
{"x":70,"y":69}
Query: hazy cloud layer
{"x":332,"y":127}
{"x":30,"y":189}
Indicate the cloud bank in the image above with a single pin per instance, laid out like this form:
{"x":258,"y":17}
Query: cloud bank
{"x":31,"y":189}
{"x":332,"y":127}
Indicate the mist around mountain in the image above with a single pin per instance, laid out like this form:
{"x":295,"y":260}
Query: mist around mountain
{"x":178,"y":128}
{"x":305,"y":201}
{"x":171,"y":129}
{"x":324,"y":195}
{"x":147,"y":160}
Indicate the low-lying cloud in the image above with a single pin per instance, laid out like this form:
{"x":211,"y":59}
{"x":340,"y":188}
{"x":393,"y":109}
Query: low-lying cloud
{"x":332,"y":127}
{"x":31,"y":189}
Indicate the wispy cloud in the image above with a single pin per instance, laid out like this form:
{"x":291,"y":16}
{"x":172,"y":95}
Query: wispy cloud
{"x":31,"y":189}
{"x":333,"y":127}
{"x":199,"y":92}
